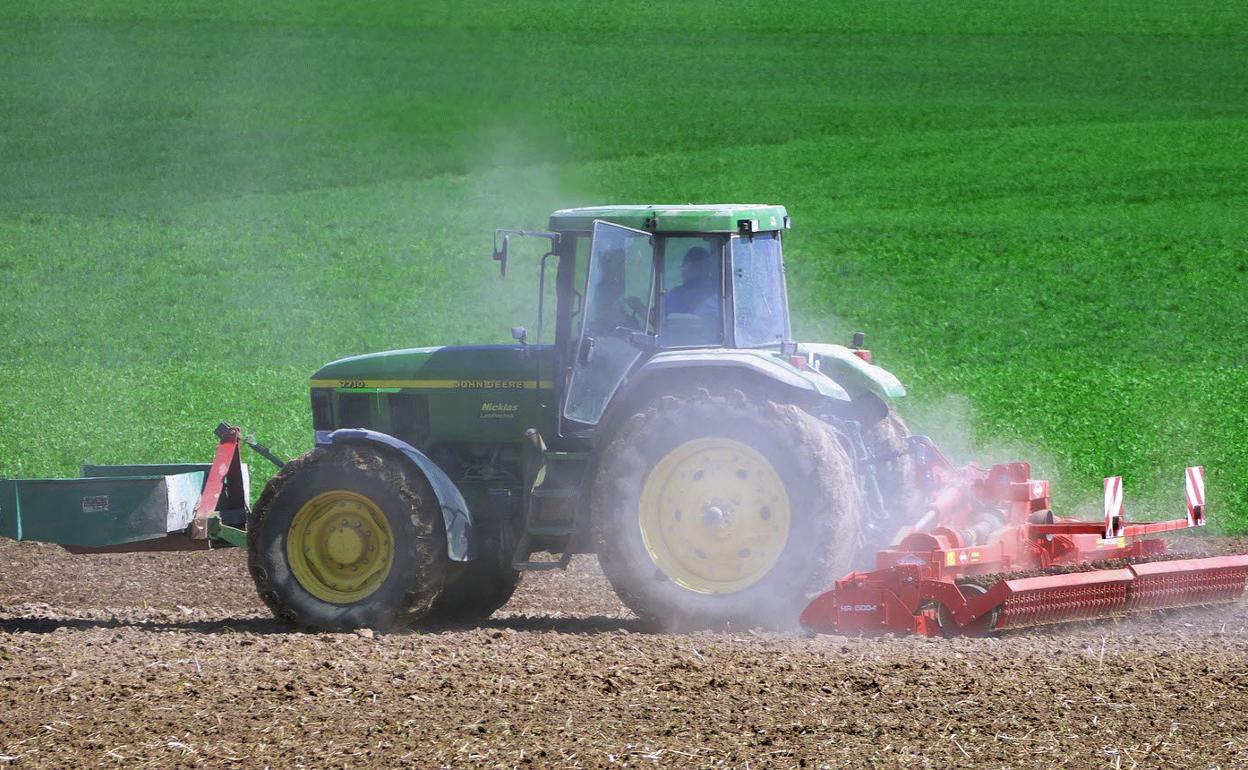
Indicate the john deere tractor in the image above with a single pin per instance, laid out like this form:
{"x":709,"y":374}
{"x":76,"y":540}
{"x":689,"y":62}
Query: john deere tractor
{"x":721,"y":471}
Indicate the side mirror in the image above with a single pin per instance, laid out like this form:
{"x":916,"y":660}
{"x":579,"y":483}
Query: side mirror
{"x":500,"y":254}
{"x":520,"y":334}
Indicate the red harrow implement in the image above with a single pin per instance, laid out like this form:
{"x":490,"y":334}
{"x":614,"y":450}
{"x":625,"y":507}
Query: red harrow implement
{"x":990,"y":555}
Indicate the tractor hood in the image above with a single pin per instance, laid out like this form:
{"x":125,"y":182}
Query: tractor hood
{"x":507,"y":367}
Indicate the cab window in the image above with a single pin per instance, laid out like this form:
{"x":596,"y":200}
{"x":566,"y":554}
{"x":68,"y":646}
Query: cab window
{"x":692,"y":292}
{"x":760,"y":312}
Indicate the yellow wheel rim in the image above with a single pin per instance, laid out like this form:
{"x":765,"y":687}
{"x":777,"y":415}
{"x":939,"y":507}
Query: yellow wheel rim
{"x":714,"y":515}
{"x":340,"y":546}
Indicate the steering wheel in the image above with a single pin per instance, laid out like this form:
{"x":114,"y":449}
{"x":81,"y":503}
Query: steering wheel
{"x":635,"y":311}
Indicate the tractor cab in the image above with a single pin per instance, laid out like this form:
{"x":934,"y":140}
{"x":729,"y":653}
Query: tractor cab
{"x":635,"y":281}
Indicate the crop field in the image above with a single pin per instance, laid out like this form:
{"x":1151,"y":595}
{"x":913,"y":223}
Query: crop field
{"x":1035,"y":211}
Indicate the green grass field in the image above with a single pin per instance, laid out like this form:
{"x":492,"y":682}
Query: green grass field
{"x":1036,"y":211}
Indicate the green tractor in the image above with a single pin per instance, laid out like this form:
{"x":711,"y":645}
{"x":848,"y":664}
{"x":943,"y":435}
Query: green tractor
{"x":722,"y":472}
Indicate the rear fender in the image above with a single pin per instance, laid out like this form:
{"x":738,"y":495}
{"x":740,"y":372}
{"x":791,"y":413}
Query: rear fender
{"x":854,"y":375}
{"x":759,"y":364}
{"x":460,"y":544}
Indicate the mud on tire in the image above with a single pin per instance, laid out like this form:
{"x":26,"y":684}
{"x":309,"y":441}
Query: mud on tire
{"x":419,"y":563}
{"x":897,"y":472}
{"x":817,"y":476}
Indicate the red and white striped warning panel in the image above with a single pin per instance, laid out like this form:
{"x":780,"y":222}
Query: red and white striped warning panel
{"x":1196,"y":496}
{"x":1114,"y":522}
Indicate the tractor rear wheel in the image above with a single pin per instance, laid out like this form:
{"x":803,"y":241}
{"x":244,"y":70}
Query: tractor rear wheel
{"x":713,"y":510}
{"x":896,"y":469}
{"x":347,"y":537}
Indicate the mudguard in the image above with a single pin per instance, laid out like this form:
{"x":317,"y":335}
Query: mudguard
{"x":761,"y":362}
{"x":855,"y":375}
{"x":460,"y":545}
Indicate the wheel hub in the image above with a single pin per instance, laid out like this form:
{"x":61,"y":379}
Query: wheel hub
{"x":714,"y":515}
{"x":345,"y":545}
{"x":340,"y":546}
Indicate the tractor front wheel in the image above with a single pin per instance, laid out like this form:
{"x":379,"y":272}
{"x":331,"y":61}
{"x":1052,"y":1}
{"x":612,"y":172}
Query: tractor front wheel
{"x":347,"y":537}
{"x":713,"y":510}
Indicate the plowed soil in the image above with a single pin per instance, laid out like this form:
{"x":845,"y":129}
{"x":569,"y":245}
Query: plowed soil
{"x":170,"y":660}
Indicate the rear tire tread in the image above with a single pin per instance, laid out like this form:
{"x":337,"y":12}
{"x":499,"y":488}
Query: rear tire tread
{"x":819,"y":479}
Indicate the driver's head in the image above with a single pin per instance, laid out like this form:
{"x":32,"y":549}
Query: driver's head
{"x":696,"y":265}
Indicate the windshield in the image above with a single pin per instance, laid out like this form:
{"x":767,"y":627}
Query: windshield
{"x":761,"y":316}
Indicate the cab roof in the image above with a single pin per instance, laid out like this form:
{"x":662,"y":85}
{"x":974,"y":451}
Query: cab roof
{"x":697,"y":218}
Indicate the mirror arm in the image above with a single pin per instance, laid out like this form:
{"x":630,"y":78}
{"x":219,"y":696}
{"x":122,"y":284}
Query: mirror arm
{"x":541,"y":316}
{"x":500,"y":255}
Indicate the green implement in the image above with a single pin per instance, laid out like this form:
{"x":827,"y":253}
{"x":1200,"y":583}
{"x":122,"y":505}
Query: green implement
{"x":178,"y":506}
{"x":99,"y":511}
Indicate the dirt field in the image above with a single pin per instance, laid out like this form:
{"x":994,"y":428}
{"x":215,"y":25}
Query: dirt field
{"x":170,"y":660}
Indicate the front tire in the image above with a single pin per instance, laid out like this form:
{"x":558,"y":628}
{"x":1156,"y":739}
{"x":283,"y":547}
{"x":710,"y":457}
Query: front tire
{"x":347,"y":537}
{"x":712,"y":511}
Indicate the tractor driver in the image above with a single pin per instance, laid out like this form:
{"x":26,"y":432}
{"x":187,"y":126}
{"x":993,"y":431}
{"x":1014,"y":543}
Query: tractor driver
{"x":699,"y":293}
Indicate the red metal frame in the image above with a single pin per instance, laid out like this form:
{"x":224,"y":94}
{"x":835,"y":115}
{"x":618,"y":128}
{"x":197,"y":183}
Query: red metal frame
{"x":227,"y":466}
{"x":988,"y":522}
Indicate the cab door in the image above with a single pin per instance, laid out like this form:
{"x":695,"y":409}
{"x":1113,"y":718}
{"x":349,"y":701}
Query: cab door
{"x":619,"y":296}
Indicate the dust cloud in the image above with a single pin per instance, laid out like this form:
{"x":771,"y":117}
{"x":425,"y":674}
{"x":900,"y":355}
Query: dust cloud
{"x":951,"y":421}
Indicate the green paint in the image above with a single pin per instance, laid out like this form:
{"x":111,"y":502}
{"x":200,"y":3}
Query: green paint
{"x":100,"y":511}
{"x":10,"y":510}
{"x":17,"y":512}
{"x":484,"y":394}
{"x":231,"y":535}
{"x":856,"y":375}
